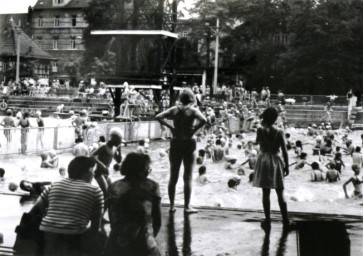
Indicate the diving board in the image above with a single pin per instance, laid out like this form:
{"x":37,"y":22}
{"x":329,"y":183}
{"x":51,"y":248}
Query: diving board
{"x":135,"y":33}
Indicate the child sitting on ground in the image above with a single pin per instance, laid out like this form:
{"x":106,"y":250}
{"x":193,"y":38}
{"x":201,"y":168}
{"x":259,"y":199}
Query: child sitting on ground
{"x":317,"y":173}
{"x":358,"y":157}
{"x":332,"y":175}
{"x":357,"y":181}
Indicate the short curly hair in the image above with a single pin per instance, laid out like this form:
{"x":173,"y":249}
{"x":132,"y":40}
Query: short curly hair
{"x":135,"y":164}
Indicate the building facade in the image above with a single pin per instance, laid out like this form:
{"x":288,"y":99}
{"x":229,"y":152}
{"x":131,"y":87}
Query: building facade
{"x":57,"y":27}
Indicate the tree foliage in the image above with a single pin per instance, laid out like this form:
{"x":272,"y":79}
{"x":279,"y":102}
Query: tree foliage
{"x":303,"y":46}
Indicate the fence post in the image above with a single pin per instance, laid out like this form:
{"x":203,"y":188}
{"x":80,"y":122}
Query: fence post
{"x":55,"y":141}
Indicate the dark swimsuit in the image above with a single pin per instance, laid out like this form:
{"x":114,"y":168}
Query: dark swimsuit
{"x":183,"y":144}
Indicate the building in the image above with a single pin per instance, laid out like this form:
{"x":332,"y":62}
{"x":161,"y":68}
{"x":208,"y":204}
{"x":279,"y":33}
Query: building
{"x":34,"y":62}
{"x":57,"y":27}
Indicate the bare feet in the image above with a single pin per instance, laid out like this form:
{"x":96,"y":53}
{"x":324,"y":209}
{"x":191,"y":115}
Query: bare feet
{"x":190,"y":210}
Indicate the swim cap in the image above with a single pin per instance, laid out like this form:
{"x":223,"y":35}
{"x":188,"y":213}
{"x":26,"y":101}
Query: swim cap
{"x":116,"y":131}
{"x":71,"y":112}
{"x":253,"y":152}
{"x":38,"y":113}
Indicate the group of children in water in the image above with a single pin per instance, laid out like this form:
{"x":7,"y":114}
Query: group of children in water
{"x":330,"y":151}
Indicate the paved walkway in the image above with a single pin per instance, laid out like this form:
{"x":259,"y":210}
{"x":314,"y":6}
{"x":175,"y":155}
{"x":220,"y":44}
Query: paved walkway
{"x":211,"y":231}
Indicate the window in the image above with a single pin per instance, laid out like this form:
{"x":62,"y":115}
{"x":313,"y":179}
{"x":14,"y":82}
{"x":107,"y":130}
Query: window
{"x":74,"y":20}
{"x":1,"y":66}
{"x":56,"y":21}
{"x":55,"y":44}
{"x":40,"y":22}
{"x":54,"y":67}
{"x":19,"y":23}
{"x":185,"y":33}
{"x":58,"y":1}
{"x":73,"y":44}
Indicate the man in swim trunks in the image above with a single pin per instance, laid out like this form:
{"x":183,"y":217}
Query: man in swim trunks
{"x":183,"y":144}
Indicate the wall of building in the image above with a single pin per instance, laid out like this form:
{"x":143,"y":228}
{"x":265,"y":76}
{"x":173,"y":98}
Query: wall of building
{"x":59,"y":31}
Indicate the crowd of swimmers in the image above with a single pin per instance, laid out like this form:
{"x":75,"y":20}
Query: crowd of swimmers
{"x":134,"y":202}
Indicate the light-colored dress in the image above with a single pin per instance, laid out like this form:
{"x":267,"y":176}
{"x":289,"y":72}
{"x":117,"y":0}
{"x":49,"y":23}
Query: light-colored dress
{"x":269,"y":167}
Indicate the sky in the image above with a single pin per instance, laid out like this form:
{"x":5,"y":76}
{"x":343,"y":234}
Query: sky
{"x":15,"y":6}
{"x":21,"y":6}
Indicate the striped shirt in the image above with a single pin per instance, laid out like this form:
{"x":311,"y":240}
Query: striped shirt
{"x":71,"y":203}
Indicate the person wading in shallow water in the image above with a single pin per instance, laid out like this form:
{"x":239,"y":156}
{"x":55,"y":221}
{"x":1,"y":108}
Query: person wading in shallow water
{"x":183,"y":144}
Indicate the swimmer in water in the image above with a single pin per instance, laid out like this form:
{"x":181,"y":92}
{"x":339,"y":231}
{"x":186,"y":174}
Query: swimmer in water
{"x":358,"y":157}
{"x":53,"y":158}
{"x":357,"y":181}
{"x":218,"y":152}
{"x":316,"y":173}
{"x":338,"y":162}
{"x":183,"y":144}
{"x":80,"y":149}
{"x":252,"y":159}
{"x":332,"y":175}
{"x":34,"y":188}
{"x":299,"y":164}
{"x":45,"y":162}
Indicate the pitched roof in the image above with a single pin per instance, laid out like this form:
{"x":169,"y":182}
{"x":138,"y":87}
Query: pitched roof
{"x":28,"y":49}
{"x":45,"y":4}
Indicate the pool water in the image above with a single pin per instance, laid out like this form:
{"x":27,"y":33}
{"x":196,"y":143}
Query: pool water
{"x":302,"y":195}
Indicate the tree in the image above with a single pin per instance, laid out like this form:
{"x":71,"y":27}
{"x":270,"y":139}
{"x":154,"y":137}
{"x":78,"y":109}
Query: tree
{"x":301,"y":46}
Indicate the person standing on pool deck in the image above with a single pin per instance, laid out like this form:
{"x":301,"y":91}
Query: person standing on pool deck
{"x":183,"y":144}
{"x":270,"y":168}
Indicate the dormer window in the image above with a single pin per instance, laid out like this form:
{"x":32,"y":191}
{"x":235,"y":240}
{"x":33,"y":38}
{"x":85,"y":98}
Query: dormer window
{"x":40,"y":22}
{"x":56,"y":21}
{"x":58,"y":2}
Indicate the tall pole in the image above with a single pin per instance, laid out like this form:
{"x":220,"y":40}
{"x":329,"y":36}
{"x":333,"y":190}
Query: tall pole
{"x":18,"y":56}
{"x":215,"y":78}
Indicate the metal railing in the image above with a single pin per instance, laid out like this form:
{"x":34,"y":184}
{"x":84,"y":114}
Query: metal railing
{"x":36,"y":140}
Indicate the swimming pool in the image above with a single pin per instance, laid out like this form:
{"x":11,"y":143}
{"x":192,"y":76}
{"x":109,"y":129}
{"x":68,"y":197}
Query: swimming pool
{"x":301,"y":194}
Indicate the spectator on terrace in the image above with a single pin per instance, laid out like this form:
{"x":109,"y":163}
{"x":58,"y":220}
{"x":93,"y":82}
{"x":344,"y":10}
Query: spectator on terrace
{"x":69,"y":206}
{"x":135,"y":210}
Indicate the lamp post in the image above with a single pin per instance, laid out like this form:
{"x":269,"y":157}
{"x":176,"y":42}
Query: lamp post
{"x":215,"y":77}
{"x":18,"y":56}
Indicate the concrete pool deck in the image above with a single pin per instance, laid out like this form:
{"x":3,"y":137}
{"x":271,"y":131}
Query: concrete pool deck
{"x":210,"y":232}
